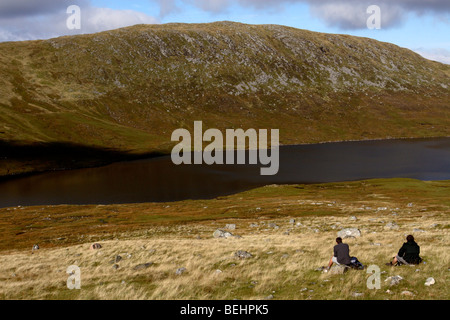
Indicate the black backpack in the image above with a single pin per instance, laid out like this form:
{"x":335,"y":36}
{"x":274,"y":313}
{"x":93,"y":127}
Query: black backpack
{"x":355,"y":264}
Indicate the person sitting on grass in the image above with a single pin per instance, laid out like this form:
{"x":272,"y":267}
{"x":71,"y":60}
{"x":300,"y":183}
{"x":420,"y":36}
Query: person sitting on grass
{"x":341,"y":254}
{"x":408,"y":253}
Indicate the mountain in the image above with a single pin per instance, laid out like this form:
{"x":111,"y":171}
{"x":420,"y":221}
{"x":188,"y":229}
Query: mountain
{"x":126,"y":90}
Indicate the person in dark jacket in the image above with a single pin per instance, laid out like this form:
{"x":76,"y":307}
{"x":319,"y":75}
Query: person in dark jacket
{"x":408,"y":253}
{"x":341,"y":254}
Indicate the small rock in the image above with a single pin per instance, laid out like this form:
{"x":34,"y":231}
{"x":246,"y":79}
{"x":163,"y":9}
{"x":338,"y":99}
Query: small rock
{"x":418,"y":230}
{"x":335,"y":269}
{"x":353,"y":218}
{"x":407,"y":293}
{"x":357,"y":294}
{"x":410,"y":205}
{"x":394,"y":280}
{"x":35,"y":247}
{"x":222,"y":234}
{"x":117,"y":258}
{"x":243,"y":254}
{"x":180,"y":271}
{"x":319,"y":269}
{"x":95,"y":246}
{"x":349,"y":233}
{"x":430,"y":281}
{"x":230,"y":226}
{"x":292,"y":221}
{"x":115,"y":266}
{"x":270,"y":297}
{"x":143,"y":266}
{"x":391,"y":226}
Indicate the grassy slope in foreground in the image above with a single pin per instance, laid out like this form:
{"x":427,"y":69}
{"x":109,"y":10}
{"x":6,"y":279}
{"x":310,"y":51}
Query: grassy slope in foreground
{"x":126,"y":90}
{"x":176,"y":235}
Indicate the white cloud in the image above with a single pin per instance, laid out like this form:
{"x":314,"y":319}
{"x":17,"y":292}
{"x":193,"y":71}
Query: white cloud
{"x":100,"y":19}
{"x":348,"y":15}
{"x":436,"y":54}
{"x":40,"y":24}
{"x":344,"y":14}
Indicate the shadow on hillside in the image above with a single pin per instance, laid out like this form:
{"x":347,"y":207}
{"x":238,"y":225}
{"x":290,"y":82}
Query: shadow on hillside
{"x":59,"y":156}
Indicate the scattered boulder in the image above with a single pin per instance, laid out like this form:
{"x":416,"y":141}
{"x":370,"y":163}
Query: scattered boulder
{"x":95,"y":246}
{"x":243,"y":254}
{"x":320,"y":269}
{"x":430,"y":281}
{"x":391,"y":226}
{"x":222,"y":234}
{"x":180,"y":271}
{"x":338,"y":269}
{"x":143,"y":266}
{"x":349,"y":233}
{"x":394,"y":280}
{"x":357,"y":294}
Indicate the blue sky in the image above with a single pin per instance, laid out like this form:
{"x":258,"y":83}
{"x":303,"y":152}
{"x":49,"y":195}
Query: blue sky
{"x":420,"y":25}
{"x":423,"y":32}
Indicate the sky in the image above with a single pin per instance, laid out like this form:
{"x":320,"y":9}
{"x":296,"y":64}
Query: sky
{"x":420,"y":25}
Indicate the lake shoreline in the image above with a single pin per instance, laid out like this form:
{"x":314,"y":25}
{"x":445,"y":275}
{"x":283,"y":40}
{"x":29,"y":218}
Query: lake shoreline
{"x":129,"y":157}
{"x":158,"y":179}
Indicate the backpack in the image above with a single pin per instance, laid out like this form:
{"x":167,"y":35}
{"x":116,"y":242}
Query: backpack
{"x":355,"y":264}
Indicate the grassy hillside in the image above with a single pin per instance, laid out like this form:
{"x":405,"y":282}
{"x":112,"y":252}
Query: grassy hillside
{"x":126,"y":90}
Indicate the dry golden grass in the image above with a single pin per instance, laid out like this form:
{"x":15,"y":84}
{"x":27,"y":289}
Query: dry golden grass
{"x":283,"y":265}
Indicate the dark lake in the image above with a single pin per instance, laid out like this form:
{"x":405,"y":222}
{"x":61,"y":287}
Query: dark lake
{"x":158,"y":179}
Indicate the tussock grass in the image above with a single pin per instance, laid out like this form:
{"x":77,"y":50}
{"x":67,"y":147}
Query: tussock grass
{"x":284,"y":258}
